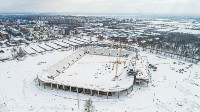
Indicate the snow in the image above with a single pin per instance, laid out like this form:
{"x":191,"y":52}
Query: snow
{"x":168,"y":91}
{"x":142,"y":68}
{"x":50,"y":44}
{"x":36,"y":48}
{"x":60,"y":43}
{"x":4,"y":108}
{"x":6,"y":55}
{"x":47,"y":48}
{"x":78,"y":41}
{"x":101,"y":73}
{"x":85,"y":39}
{"x":29,"y":50}
{"x":75,"y":41}
{"x":190,"y":31}
{"x":70,"y":43}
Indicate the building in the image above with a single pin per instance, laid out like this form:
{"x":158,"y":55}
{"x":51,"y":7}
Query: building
{"x":4,"y":35}
{"x":65,"y":31}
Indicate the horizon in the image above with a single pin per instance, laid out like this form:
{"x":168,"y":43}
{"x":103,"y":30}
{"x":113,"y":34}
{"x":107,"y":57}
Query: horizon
{"x":112,"y":7}
{"x":101,"y":14}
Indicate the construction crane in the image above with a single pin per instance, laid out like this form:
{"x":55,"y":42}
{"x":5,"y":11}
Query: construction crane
{"x":118,"y":59}
{"x":117,"y":62}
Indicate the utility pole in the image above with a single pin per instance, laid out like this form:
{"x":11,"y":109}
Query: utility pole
{"x":78,"y":101}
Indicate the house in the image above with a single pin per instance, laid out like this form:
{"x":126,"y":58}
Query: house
{"x":4,"y":35}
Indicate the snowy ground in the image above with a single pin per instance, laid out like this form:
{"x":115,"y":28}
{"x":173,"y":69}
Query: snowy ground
{"x":172,"y":89}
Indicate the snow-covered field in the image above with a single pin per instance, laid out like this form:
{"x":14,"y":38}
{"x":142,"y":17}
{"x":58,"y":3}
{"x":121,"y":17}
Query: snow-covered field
{"x":96,"y":72}
{"x":175,"y":87}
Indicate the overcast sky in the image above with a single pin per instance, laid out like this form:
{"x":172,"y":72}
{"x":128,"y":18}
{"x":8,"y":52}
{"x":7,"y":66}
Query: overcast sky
{"x":103,"y":6}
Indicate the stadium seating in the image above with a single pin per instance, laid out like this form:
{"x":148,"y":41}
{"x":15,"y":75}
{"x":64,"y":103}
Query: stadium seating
{"x":57,"y":68}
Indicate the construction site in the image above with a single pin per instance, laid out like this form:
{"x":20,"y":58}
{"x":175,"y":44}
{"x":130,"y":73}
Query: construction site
{"x":121,"y":76}
{"x":97,"y":71}
{"x":61,"y":75}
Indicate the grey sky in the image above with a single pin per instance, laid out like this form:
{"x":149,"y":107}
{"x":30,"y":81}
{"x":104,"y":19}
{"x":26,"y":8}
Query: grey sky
{"x":102,"y":6}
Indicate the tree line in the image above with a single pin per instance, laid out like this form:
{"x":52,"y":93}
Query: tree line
{"x":179,"y":45}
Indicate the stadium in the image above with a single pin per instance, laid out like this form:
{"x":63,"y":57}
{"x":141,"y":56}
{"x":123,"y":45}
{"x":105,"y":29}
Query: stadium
{"x":98,"y":71}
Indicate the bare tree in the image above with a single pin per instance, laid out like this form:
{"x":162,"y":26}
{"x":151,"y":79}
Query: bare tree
{"x":89,"y":107}
{"x":14,"y":53}
{"x":21,"y":53}
{"x":179,"y":45}
{"x":17,"y":53}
